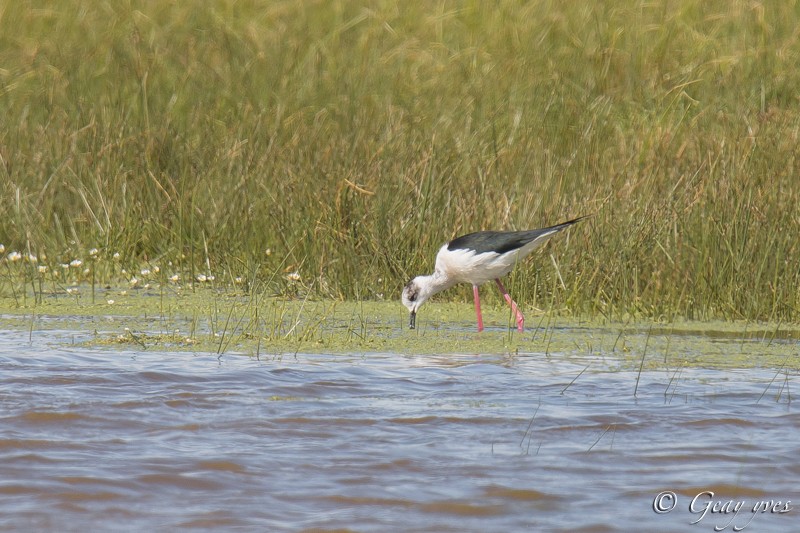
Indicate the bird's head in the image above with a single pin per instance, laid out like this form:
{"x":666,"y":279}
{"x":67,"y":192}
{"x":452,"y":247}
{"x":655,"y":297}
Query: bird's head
{"x":415,"y":293}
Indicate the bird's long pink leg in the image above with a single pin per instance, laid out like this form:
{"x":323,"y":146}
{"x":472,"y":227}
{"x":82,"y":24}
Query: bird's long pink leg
{"x":513,"y":304}
{"x":477,"y":307}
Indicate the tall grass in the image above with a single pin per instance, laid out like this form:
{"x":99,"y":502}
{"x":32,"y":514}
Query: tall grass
{"x":351,"y":139}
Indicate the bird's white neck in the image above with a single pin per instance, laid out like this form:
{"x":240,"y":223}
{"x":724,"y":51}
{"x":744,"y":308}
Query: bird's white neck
{"x":437,"y":282}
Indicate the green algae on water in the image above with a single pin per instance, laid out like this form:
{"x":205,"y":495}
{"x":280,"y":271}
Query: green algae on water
{"x":204,"y":319}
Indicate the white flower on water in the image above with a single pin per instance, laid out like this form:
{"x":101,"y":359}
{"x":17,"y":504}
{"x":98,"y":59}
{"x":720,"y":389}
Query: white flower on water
{"x":175,"y":278}
{"x":42,"y":269}
{"x":134,"y":282}
{"x":93,"y":252}
{"x":14,"y":256}
{"x":293,"y":276}
{"x":32,"y":258}
{"x":2,"y":248}
{"x":75,"y":263}
{"x":110,"y":302}
{"x":116,"y":255}
{"x":202,"y":278}
{"x":238,"y":279}
{"x":145,"y":272}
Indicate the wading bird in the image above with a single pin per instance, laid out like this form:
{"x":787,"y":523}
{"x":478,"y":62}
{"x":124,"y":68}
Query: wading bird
{"x":477,"y":258}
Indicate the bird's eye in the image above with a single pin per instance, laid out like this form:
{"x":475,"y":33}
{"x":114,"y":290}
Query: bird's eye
{"x":411,"y":292}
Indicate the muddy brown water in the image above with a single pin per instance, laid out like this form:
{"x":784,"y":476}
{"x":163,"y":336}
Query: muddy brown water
{"x":95,"y":439}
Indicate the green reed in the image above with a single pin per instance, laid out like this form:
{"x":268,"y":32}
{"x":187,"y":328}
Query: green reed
{"x":331,"y":147}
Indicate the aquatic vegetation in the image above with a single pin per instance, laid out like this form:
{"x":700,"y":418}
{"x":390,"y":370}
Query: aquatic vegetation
{"x":202,"y":318}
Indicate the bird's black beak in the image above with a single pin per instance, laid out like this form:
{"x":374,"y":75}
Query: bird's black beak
{"x":413,"y":321}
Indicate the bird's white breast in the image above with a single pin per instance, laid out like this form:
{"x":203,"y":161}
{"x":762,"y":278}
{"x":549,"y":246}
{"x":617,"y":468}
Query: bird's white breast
{"x":465,"y":266}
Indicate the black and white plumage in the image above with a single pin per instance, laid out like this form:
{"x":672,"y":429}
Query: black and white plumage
{"x":477,"y":258}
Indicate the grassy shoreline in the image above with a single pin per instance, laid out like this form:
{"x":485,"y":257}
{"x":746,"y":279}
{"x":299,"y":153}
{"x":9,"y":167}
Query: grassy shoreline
{"x":328,"y":148}
{"x":182,"y":318}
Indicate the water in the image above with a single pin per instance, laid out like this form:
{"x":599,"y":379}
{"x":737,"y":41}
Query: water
{"x":112,"y":440}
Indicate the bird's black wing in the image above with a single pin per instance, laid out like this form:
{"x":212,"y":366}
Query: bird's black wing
{"x":503,"y":241}
{"x":490,"y":241}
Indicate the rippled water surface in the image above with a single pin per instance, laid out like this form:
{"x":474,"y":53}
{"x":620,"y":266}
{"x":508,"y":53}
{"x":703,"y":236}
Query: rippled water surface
{"x":105,"y":439}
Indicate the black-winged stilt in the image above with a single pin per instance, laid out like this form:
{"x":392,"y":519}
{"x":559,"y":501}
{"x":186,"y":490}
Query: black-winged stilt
{"x":477,"y":258}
